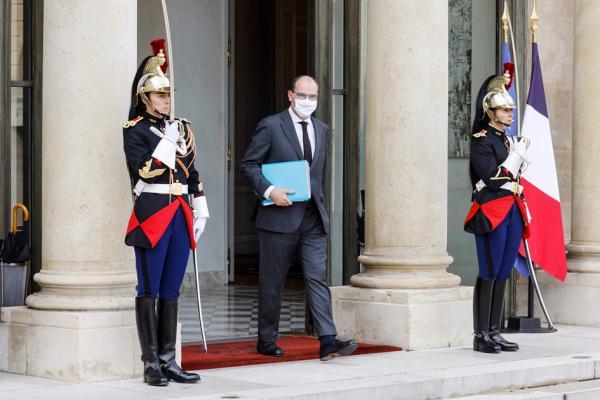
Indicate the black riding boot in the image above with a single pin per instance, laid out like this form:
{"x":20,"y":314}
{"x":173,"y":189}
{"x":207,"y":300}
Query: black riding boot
{"x":167,"y":333}
{"x":145,"y":317}
{"x":482,"y":304}
{"x":496,"y":318}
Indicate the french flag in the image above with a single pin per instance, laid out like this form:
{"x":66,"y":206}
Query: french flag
{"x":546,"y":241}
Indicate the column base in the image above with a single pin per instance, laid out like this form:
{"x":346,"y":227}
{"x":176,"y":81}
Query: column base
{"x":412,"y":319}
{"x":572,"y":302}
{"x":83,"y":291}
{"x":69,"y":346}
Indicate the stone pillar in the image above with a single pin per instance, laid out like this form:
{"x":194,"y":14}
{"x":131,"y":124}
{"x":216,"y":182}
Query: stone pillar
{"x":80,"y":326}
{"x":584,"y":249}
{"x":406,"y":290}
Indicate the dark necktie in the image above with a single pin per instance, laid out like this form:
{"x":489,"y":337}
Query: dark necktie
{"x":306,"y":142}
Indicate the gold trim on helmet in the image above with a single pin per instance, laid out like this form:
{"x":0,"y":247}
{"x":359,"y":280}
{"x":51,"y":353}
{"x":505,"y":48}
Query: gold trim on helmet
{"x":497,"y":96}
{"x":153,"y":80}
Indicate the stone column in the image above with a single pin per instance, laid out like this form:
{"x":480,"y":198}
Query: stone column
{"x":584,"y":249}
{"x":80,"y":326}
{"x":406,"y":290}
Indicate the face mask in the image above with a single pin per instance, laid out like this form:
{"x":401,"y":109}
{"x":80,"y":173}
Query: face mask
{"x":305,"y":107}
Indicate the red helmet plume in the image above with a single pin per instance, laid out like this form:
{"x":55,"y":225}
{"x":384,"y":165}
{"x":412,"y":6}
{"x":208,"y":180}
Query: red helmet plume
{"x":510,"y":69}
{"x":157,"y":45}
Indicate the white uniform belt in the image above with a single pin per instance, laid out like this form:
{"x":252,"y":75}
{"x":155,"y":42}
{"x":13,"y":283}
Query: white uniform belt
{"x":512,"y":186}
{"x":164,"y":188}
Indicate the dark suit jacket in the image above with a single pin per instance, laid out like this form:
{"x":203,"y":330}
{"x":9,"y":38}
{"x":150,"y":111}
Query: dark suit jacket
{"x":275,"y":140}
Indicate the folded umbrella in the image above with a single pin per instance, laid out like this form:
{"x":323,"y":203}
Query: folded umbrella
{"x":15,"y":248}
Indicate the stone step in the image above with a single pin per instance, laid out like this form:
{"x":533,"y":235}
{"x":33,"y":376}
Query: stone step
{"x":537,"y":395}
{"x":484,"y":381}
{"x":585,"y":390}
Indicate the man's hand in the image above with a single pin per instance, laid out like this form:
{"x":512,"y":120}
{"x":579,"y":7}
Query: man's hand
{"x":280,"y":198}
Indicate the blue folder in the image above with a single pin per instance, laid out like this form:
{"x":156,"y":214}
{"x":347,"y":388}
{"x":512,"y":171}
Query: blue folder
{"x":294,"y":175}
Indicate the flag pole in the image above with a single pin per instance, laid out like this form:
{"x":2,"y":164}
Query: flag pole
{"x":533,"y":283}
{"x":533,"y":22}
{"x":509,"y":29}
{"x":513,"y":280}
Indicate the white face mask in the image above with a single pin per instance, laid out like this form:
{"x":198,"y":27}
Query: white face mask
{"x":304,"y":108}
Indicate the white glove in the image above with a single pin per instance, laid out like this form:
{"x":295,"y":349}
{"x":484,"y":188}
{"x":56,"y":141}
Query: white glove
{"x":199,"y":225}
{"x":201,"y":215}
{"x":170,"y":143}
{"x":165,"y":152}
{"x":520,"y":146}
{"x":172,"y":131}
{"x":181,"y":146}
{"x":512,"y":163}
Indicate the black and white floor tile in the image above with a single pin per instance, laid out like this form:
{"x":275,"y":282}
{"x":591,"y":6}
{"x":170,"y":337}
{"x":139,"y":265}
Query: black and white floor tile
{"x":232,"y":312}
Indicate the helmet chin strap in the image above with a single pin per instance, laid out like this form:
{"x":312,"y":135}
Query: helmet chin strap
{"x":147,"y":102}
{"x":496,"y":120}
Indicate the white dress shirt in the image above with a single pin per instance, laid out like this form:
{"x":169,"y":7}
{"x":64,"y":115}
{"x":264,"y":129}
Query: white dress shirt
{"x":299,"y":134}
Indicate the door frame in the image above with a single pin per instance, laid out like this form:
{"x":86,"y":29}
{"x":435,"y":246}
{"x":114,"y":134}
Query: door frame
{"x":32,"y":121}
{"x":352,"y":85}
{"x":323,"y":64}
{"x":320,"y":61}
{"x":230,"y":143}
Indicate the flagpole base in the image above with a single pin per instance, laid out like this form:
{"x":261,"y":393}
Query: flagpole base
{"x":522,"y":324}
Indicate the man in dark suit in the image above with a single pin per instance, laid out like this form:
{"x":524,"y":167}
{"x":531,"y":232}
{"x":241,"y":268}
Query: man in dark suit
{"x":286,"y":226}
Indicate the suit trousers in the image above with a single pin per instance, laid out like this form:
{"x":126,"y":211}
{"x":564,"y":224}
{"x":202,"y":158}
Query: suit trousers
{"x":276,"y":252}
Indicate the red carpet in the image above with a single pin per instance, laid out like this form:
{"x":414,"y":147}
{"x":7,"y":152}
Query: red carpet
{"x":221,"y":355}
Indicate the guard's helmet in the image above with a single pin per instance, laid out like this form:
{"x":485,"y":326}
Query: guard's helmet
{"x":497,"y":96}
{"x":154,"y":79}
{"x":149,"y":77}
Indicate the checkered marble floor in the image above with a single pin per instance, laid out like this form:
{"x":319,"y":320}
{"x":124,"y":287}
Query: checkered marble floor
{"x":232,"y":312}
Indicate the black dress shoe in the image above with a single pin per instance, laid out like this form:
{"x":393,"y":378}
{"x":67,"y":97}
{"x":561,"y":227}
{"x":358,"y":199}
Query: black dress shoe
{"x":483,"y":343}
{"x":337,"y":348}
{"x":504,"y":344}
{"x":153,"y":375}
{"x":269,"y":349}
{"x":174,"y":373}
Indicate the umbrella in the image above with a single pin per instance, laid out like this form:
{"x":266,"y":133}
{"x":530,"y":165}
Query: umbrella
{"x":16,"y":243}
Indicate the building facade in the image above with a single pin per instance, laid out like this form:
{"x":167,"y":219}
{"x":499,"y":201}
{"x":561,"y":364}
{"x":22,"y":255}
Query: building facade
{"x":397,"y":79}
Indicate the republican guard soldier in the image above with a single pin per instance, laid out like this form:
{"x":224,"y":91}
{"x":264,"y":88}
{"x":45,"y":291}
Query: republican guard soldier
{"x":165,"y":223}
{"x":498,"y":216}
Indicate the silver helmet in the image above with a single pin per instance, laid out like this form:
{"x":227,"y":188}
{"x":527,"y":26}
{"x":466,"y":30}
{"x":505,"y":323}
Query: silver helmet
{"x":497,"y":95}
